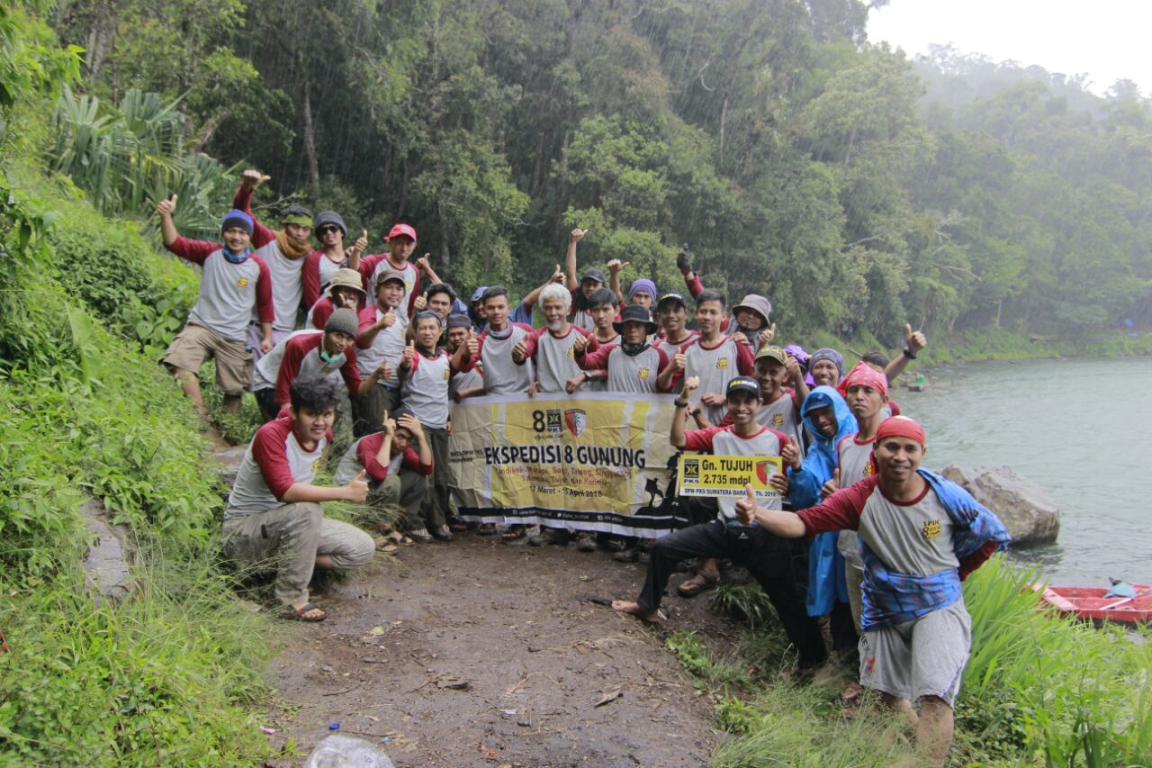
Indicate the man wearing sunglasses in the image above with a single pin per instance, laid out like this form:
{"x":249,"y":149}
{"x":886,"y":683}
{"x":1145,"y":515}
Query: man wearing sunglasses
{"x":321,"y":265}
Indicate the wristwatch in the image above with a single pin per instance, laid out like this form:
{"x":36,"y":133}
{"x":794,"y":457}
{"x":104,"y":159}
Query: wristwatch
{"x":680,"y":403}
{"x":909,"y":354}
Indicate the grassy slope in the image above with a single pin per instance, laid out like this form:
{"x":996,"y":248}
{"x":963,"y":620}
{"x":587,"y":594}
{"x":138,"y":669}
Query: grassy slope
{"x":172,"y":677}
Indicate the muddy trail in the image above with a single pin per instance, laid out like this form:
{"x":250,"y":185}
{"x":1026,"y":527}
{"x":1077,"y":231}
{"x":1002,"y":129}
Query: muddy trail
{"x":488,"y":653}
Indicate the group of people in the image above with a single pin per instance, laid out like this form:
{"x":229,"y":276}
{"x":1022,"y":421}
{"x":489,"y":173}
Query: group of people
{"x":864,"y":549}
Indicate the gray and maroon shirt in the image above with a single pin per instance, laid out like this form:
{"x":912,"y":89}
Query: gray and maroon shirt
{"x":855,"y":464}
{"x":287,"y":274}
{"x":375,"y":264}
{"x":229,"y":293}
{"x":274,"y":461}
{"x":554,"y":357}
{"x":425,"y":391}
{"x":716,"y":366}
{"x":501,"y":374}
{"x":388,"y":345}
{"x":636,"y":374}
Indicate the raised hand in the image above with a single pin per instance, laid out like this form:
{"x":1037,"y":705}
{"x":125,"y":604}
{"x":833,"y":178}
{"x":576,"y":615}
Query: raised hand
{"x":557,"y":276}
{"x":581,"y":343}
{"x":361,"y":243}
{"x":746,"y":507}
{"x":691,"y":384}
{"x":914,"y":341}
{"x":253,"y":178}
{"x":576,"y":235}
{"x":473,"y":343}
{"x":412,"y":424}
{"x":684,"y":260}
{"x":421,"y":301}
{"x":167,"y":207}
{"x":422,"y":263}
{"x":388,"y":425}
{"x":792,"y":366}
{"x":383,"y":371}
{"x":832,"y":485}
{"x":790,"y":453}
{"x":357,"y":488}
{"x":768,"y":335}
{"x":409,"y":355}
{"x":387,"y":319}
{"x":616,"y":266}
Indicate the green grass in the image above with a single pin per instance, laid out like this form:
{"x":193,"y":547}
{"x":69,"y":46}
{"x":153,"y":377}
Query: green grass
{"x":1038,"y":689}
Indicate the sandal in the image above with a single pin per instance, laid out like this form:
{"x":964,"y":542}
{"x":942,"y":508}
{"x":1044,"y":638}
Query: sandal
{"x":421,"y":535}
{"x":384,"y":544}
{"x":701,"y":582}
{"x":486,"y":529}
{"x":514,"y":533}
{"x":398,"y":538}
{"x":298,"y":614}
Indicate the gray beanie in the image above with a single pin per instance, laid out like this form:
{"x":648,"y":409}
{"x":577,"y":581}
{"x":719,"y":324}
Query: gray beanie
{"x":330,"y":217}
{"x":343,"y":321}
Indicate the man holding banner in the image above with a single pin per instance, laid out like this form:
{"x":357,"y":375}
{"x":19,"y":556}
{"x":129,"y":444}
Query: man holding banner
{"x":743,"y":454}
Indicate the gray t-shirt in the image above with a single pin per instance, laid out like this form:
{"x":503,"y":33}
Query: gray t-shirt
{"x":914,"y":538}
{"x":715,"y":366}
{"x":554,"y":357}
{"x":501,"y":375}
{"x":855,"y":464}
{"x":287,"y":285}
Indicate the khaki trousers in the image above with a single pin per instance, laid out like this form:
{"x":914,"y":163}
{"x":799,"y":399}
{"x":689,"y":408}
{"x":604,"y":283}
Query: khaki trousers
{"x":288,"y":539}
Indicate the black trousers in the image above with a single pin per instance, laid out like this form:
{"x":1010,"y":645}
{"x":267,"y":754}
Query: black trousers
{"x":768,"y":559}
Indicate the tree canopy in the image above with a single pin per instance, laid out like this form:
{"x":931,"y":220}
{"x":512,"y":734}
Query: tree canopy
{"x":856,"y":188}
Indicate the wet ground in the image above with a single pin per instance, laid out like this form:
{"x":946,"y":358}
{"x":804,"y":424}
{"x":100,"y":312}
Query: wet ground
{"x":486,"y":653}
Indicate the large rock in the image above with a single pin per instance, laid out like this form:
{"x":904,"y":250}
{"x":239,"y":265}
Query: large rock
{"x":107,"y":564}
{"x":1029,"y":513}
{"x":340,"y":751}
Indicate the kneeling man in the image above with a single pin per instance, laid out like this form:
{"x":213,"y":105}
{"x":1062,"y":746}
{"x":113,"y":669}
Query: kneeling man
{"x":920,"y":536}
{"x":274,"y":513}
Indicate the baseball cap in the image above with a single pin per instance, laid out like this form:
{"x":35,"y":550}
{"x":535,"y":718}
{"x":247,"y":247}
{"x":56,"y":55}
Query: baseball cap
{"x":743,"y":384}
{"x":773,"y":353}
{"x":402,"y":230}
{"x":671,"y":298}
{"x":594,"y":274}
{"x":389,"y":274}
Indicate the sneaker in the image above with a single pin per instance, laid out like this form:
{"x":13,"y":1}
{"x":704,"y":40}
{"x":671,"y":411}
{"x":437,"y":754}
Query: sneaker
{"x":421,"y":535}
{"x":555,"y":536}
{"x":585,"y":542}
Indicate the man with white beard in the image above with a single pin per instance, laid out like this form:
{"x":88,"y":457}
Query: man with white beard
{"x":551,"y":347}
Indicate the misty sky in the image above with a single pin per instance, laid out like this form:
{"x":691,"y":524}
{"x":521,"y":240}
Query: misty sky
{"x":1106,"y":38}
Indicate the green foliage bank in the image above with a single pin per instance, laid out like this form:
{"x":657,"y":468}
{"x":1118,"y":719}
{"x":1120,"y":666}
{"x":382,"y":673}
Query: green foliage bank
{"x":170,"y":677}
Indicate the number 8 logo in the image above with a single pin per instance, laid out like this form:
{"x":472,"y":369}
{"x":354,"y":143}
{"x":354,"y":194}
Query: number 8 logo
{"x":538,"y":421}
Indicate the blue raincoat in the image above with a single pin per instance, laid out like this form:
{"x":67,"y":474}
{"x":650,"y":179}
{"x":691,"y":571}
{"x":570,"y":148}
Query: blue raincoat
{"x":826,"y":584}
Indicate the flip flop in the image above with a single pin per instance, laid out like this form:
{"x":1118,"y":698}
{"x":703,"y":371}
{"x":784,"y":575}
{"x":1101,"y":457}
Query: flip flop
{"x":384,"y":544}
{"x":297,"y":614}
{"x":697,"y":584}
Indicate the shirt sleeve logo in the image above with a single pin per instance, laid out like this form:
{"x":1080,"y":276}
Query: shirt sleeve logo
{"x":242,"y":282}
{"x":931,"y":529}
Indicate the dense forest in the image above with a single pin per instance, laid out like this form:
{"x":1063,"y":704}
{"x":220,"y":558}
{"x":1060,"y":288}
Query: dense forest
{"x":857,"y":188}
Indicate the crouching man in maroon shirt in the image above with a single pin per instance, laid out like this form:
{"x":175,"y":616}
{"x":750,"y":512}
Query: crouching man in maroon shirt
{"x":274,"y":515}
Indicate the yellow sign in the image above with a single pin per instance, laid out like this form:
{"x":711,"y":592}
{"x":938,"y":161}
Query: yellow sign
{"x":593,"y":461}
{"x":727,"y":476}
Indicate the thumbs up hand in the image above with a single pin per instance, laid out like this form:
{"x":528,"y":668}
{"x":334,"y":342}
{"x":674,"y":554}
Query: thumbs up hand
{"x":519,"y":352}
{"x":473,"y":343}
{"x":357,"y":489}
{"x":679,"y":361}
{"x":167,"y":207}
{"x":253,"y":178}
{"x":575,"y":235}
{"x":746,"y":507}
{"x":581,"y":343}
{"x":409,"y":354}
{"x":914,"y":341}
{"x":790,"y":453}
{"x":768,"y":335}
{"x":557,"y":275}
{"x":421,"y":301}
{"x":832,"y":485}
{"x":388,"y":319}
{"x":361,"y":243}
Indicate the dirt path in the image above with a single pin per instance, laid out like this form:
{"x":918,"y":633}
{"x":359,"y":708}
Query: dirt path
{"x":516,"y":624}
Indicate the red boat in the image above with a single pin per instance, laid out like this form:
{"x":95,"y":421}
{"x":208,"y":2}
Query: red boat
{"x":1091,"y":604}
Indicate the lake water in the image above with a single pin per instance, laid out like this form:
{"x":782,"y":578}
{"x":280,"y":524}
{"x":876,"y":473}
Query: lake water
{"x":1080,"y":429}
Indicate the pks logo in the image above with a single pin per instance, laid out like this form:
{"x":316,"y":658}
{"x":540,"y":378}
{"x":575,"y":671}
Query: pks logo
{"x":691,"y":471}
{"x":242,"y":282}
{"x":643,"y":374}
{"x":722,"y":363}
{"x":931,"y":529}
{"x":765,"y":470}
{"x":447,"y":374}
{"x":777,"y":420}
{"x":577,"y":421}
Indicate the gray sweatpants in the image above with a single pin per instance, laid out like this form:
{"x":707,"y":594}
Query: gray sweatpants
{"x":288,"y":539}
{"x":407,"y":490}
{"x":436,"y":502}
